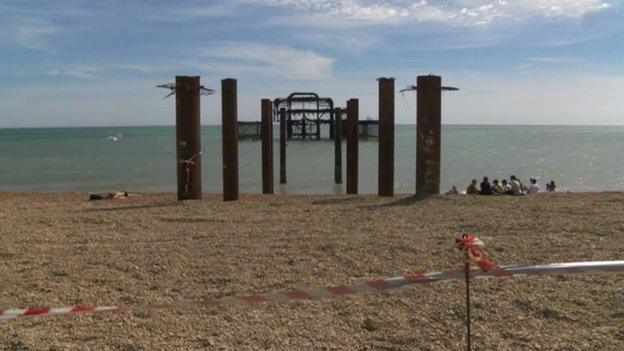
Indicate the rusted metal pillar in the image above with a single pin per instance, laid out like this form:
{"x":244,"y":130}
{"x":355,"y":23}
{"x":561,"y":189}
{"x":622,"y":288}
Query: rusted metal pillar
{"x":386,"y":137}
{"x":188,"y":137}
{"x":338,"y":146}
{"x":267,"y":146}
{"x":282,"y":114}
{"x":290,"y":126}
{"x":318,"y":129}
{"x":229,"y":138}
{"x":352,"y":145}
{"x":428,"y":138}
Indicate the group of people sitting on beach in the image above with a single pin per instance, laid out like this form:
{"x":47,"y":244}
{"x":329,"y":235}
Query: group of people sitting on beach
{"x":512,"y":187}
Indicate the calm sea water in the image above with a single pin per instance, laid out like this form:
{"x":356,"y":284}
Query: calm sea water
{"x":143,"y":159}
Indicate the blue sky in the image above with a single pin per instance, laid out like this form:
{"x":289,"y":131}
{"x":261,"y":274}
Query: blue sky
{"x":90,"y":63}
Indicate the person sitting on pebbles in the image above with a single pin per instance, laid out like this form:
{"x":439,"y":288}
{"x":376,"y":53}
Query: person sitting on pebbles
{"x":533,"y":187}
{"x":109,"y":196}
{"x":516,"y":186}
{"x":472,"y":188}
{"x":550,"y":187}
{"x":453,"y":191}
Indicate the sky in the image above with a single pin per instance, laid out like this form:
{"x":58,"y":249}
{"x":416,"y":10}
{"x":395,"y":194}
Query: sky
{"x":97,"y":63}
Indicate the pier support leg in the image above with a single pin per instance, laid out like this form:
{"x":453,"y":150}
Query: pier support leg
{"x":188,"y":138}
{"x":386,"y":137}
{"x":290,"y":127}
{"x":267,"y":146}
{"x":282,"y":114}
{"x":318,"y":129}
{"x":428,"y":138}
{"x":229,"y":137}
{"x":352,"y":145}
{"x":338,"y":146}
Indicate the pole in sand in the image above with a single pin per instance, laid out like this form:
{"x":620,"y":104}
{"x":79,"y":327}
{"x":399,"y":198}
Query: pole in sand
{"x":282,"y":116}
{"x":352,"y":146}
{"x":229,"y":138}
{"x":386,"y":137}
{"x":338,"y":145}
{"x":188,"y":137}
{"x":468,"y":317}
{"x":428,"y":133}
{"x":267,"y":146}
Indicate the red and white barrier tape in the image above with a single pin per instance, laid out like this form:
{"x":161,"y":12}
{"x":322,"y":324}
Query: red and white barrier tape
{"x":371,"y":286}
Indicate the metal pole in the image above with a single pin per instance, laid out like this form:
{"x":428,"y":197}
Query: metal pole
{"x":338,"y":146}
{"x":468,"y":317}
{"x":282,"y":113}
{"x":428,"y":135}
{"x":188,"y":138}
{"x":318,"y":128}
{"x":290,"y":125}
{"x":229,"y":137}
{"x":352,"y":145}
{"x":267,"y":146}
{"x":386,"y":137}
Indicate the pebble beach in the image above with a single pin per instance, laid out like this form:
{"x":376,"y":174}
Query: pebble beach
{"x":62,"y":249}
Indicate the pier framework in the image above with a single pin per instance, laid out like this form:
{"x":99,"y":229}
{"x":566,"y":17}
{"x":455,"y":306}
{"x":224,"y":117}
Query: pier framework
{"x":300,"y":116}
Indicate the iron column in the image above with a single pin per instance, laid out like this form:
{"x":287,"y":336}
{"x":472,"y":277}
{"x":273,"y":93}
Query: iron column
{"x":289,"y":124}
{"x":188,"y":137}
{"x":386,"y":137}
{"x":229,"y":137}
{"x":352,"y":146}
{"x":267,"y":146}
{"x":338,"y":146}
{"x":282,"y":114}
{"x":428,"y":133}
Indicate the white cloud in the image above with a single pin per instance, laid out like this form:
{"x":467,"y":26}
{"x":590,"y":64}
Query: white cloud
{"x":271,"y":60}
{"x":456,"y":12}
{"x":556,"y":60}
{"x":353,"y":42}
{"x":76,"y":72}
{"x":33,"y":36}
{"x":36,"y":27}
{"x":180,"y":13}
{"x":555,"y":8}
{"x":101,"y":71}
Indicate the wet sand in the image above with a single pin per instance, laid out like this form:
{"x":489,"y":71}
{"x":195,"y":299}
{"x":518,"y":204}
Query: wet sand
{"x":61,"y":249}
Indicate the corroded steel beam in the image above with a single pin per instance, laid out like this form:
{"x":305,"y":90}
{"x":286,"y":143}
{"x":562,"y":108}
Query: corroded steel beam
{"x":386,"y":137}
{"x":352,"y":145}
{"x":229,"y":138}
{"x":267,"y":146}
{"x":188,"y":137}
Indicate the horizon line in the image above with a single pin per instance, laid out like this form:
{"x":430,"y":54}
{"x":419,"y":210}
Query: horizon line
{"x":398,"y":124}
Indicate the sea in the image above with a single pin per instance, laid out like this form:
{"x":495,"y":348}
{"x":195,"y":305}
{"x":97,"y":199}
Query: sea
{"x":142,"y":159}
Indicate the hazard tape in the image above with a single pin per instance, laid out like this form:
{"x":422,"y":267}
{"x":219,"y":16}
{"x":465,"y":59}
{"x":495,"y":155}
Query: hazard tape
{"x":371,"y":286}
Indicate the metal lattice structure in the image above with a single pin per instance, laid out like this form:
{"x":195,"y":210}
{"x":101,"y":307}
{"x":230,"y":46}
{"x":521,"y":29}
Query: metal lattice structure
{"x":305,"y":114}
{"x":249,"y":130}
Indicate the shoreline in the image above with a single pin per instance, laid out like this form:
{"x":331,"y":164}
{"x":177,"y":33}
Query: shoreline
{"x":404,"y":198}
